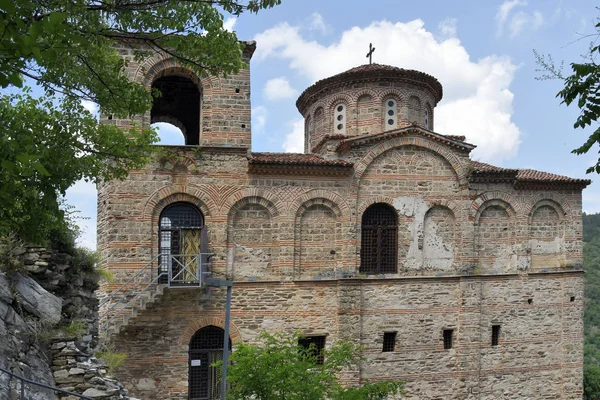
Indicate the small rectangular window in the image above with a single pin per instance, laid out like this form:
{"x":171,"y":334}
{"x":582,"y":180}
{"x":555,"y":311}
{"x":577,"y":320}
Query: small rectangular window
{"x":314,"y":346}
{"x":389,"y":341}
{"x":448,"y":338}
{"x":495,"y":335}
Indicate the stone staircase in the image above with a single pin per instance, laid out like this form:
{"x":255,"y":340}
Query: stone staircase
{"x":114,"y":323}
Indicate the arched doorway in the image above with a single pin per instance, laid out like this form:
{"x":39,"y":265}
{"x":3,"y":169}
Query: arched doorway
{"x":183,"y":238}
{"x":206,"y":347}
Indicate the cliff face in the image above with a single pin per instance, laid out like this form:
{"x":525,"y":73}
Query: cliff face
{"x":42,"y":292}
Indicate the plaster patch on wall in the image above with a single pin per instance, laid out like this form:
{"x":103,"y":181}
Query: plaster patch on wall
{"x":437,"y":254}
{"x":548,"y":253}
{"x":256,"y":262}
{"x":414,"y":207}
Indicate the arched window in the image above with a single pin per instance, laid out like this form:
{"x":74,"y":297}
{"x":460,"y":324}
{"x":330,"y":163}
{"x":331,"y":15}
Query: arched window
{"x":339,"y":119}
{"x":391,"y":114}
{"x":182,"y":236}
{"x":379,"y":240}
{"x":179,"y":105}
{"x":206,"y":348}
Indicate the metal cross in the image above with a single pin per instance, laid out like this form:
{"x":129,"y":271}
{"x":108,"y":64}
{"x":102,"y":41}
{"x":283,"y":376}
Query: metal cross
{"x":370,"y":53}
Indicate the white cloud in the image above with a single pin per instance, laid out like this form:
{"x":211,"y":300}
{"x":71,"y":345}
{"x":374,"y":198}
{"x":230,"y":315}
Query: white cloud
{"x":477,"y":99}
{"x":517,"y":21}
{"x":90,"y":106}
{"x":294,"y":141}
{"x":447,"y":28}
{"x":278,"y":89}
{"x":317,"y":23}
{"x":229,"y":23}
{"x":259,"y":119}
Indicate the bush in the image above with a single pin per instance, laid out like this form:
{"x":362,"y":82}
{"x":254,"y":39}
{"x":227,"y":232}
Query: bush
{"x":113,"y":358}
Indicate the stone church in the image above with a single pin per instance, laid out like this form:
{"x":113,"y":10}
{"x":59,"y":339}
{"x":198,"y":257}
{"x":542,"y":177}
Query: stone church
{"x":458,"y":277}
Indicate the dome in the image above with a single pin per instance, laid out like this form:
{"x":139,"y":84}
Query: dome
{"x":369,"y":73}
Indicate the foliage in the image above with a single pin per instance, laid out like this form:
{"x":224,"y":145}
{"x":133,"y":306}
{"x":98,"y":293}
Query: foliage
{"x":113,"y":358}
{"x":591,"y":382}
{"x":581,"y":87}
{"x":11,"y":249}
{"x":105,"y":275}
{"x":75,"y":329}
{"x":280,"y":369}
{"x":591,"y":265}
{"x":67,"y":48}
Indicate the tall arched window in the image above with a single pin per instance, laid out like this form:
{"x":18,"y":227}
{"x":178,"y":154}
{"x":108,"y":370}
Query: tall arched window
{"x":339,"y":119}
{"x":181,"y":236}
{"x":206,"y":348}
{"x":379,"y":240}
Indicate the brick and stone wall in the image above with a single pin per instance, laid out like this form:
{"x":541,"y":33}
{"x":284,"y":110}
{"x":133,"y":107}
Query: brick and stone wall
{"x":472,"y":253}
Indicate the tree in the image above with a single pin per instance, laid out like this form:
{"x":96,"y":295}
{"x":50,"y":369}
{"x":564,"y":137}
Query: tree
{"x":281,"y":369}
{"x":49,"y":142}
{"x":582,"y":86}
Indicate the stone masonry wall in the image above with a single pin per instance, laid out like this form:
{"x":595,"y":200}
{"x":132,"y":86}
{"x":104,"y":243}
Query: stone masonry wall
{"x":539,"y":355}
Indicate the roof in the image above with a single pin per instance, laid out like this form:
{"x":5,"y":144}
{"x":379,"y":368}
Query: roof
{"x":295,"y":159}
{"x":456,"y":142}
{"x":523,"y":178}
{"x":370,"y":72}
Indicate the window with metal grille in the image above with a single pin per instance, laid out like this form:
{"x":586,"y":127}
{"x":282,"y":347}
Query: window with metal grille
{"x":379,"y":240}
{"x":206,"y":348}
{"x":448,"y":333}
{"x":495,"y":335}
{"x":389,"y":341}
{"x":179,"y":233}
{"x":313,"y":346}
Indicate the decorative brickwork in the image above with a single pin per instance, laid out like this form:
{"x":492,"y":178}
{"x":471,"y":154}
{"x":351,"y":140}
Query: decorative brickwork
{"x":474,"y":244}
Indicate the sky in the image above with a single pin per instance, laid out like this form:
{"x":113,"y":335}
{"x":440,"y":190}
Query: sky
{"x":480,"y":51}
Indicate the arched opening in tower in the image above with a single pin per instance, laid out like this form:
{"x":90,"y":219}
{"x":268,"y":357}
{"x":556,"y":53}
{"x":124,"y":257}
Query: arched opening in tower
{"x":178,"y":105}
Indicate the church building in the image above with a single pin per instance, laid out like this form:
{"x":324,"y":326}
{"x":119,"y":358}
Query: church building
{"x":460,"y":278}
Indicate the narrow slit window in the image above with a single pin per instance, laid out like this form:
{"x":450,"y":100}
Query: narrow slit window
{"x":313,"y":347}
{"x":390,"y":116}
{"x":339,"y":119}
{"x":448,"y":336}
{"x":389,"y":341}
{"x":495,"y":335}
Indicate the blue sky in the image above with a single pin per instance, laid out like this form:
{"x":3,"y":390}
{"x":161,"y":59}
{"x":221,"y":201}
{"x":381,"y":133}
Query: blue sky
{"x":481,"y":51}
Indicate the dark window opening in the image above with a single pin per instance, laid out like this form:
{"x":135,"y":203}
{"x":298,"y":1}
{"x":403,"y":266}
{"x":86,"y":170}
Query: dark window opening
{"x":379,"y":240}
{"x":572,"y":299}
{"x":178,"y":104}
{"x":495,"y":335}
{"x":389,"y":341}
{"x":448,"y":333}
{"x":206,"y":348}
{"x":313,"y":347}
{"x":529,"y":301}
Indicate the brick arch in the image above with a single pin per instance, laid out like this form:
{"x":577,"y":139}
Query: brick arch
{"x":505,"y":203}
{"x":316,"y":107}
{"x":161,"y":65}
{"x":331,"y":199}
{"x":256,"y":195}
{"x":173,"y":193}
{"x":449,"y":204}
{"x":365,"y":91}
{"x":373,"y":200}
{"x":546,"y":202}
{"x":459,"y":169}
{"x":392,"y":93}
{"x":195,"y":326}
{"x":557,"y":201}
{"x":336,"y":99}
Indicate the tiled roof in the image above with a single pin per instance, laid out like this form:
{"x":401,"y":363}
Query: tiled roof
{"x":524,"y":176}
{"x":458,"y":138}
{"x":295,"y":159}
{"x":370,"y":72}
